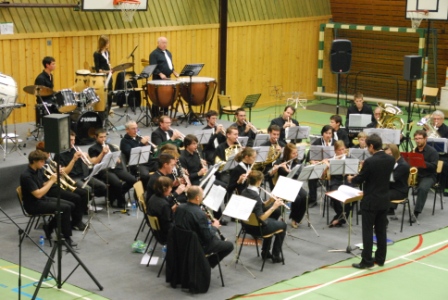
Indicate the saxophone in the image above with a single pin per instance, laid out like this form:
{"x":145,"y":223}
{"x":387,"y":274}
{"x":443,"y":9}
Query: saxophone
{"x":413,"y":176}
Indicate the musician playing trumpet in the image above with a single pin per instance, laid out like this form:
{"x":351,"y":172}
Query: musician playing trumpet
{"x":117,"y":190}
{"x":438,"y":118}
{"x":285,"y":121}
{"x":283,"y":167}
{"x":244,"y":127}
{"x":218,"y":137}
{"x":191,"y":160}
{"x":264,"y":212}
{"x":74,"y":164}
{"x":164,"y":133}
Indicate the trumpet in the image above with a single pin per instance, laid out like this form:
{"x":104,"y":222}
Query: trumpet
{"x":63,"y":184}
{"x":149,"y":142}
{"x":253,"y":128}
{"x":182,"y":136}
{"x":84,"y":158}
{"x":223,"y":130}
{"x":53,"y":166}
{"x":270,"y":195}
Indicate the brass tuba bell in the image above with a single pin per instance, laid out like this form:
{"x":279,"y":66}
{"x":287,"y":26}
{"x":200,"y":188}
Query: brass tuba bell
{"x":389,"y":117}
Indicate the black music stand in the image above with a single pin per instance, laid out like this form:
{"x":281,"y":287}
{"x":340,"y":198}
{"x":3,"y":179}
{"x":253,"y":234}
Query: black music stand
{"x":191,"y":70}
{"x":146,"y":73}
{"x":250,"y":102}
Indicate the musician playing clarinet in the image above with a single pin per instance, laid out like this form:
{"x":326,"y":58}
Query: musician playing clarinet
{"x":264,"y":212}
{"x":189,"y":216}
{"x":190,"y":159}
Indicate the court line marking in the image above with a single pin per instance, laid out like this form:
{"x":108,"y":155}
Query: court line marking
{"x":49,"y":285}
{"x":425,"y":264}
{"x":362,"y":271}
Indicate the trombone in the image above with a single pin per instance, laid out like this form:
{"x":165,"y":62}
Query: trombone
{"x":63,"y":184}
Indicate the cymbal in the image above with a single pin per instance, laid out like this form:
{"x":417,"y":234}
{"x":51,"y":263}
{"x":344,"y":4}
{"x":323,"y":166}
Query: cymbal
{"x":122,"y":67}
{"x":38,"y":90}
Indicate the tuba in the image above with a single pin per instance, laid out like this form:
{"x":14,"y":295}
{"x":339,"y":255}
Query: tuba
{"x":430,"y":130}
{"x":389,"y":117}
{"x":413,"y":176}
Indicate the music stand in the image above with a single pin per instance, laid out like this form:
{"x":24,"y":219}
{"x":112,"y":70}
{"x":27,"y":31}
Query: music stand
{"x":203,"y":136}
{"x":211,"y":171}
{"x":239,"y":208}
{"x":250,"y":102}
{"x":191,"y":70}
{"x":346,"y":195}
{"x":361,"y":154}
{"x":297,"y":132}
{"x":243,"y":140}
{"x":321,"y":152}
{"x":301,"y":152}
{"x":262,"y":153}
{"x":146,"y":73}
{"x":440,"y":144}
{"x":260,"y":139}
{"x":307,"y":173}
{"x":388,"y":136}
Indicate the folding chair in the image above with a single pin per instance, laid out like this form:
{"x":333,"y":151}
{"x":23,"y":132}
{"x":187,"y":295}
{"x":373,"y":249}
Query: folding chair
{"x":225,"y":106}
{"x":427,"y":92}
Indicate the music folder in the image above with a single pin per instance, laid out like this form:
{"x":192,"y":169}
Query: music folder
{"x":414,"y":159}
{"x":287,"y":188}
{"x":346,"y":194}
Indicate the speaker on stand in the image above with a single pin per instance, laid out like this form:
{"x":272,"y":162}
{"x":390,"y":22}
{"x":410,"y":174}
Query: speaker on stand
{"x":341,"y":61}
{"x":412,"y":71}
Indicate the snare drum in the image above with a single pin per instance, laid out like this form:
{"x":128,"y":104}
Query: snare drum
{"x":97,"y":82}
{"x":65,"y":99}
{"x":82,"y":80}
{"x":85,"y":125}
{"x":8,"y":94}
{"x":89,"y":97}
{"x":202,"y":89}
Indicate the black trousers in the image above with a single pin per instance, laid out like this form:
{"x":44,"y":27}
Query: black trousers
{"x":222,"y":248}
{"x":49,"y":206}
{"x":80,"y":205}
{"x":298,"y":207}
{"x":371,"y":218}
{"x":117,"y":189}
{"x":99,"y":188}
{"x":270,"y":227}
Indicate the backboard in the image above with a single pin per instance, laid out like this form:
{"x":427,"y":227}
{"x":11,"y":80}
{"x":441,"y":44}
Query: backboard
{"x":99,"y":5}
{"x":437,"y":9}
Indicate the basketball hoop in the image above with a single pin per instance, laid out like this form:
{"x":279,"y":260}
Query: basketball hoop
{"x":128,"y":8}
{"x":417,"y":16}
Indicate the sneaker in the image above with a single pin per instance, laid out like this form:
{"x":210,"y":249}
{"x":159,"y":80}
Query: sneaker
{"x":92,"y":208}
{"x":413,"y":219}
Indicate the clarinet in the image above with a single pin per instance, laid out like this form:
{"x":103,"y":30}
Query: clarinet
{"x":212,"y":218}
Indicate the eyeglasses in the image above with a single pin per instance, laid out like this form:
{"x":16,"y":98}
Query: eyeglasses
{"x":417,"y":139}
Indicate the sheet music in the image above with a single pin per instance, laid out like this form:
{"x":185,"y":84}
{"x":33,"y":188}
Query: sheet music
{"x":388,"y":136}
{"x":111,"y":159}
{"x":359,"y":120}
{"x":139,"y":155}
{"x":301,"y":152}
{"x":239,"y":207}
{"x":260,"y":139}
{"x":215,"y":197}
{"x":96,"y":168}
{"x":287,"y":188}
{"x":243,"y":140}
{"x":204,"y":136}
{"x":345,"y":193}
{"x":211,"y":171}
{"x":209,"y":185}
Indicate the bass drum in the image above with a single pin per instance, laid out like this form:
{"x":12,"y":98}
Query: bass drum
{"x":8,"y":94}
{"x":85,"y":125}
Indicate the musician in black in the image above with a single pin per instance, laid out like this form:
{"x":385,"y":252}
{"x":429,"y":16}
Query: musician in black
{"x":264,"y":211}
{"x":285,"y":121}
{"x":327,"y":133}
{"x":377,"y":116}
{"x":244,"y":127}
{"x":399,"y":188}
{"x":282,"y":167}
{"x":77,"y":168}
{"x":164,"y":133}
{"x":36,"y":201}
{"x":238,"y":175}
{"x":46,"y":79}
{"x":218,"y":137}
{"x":165,"y":67}
{"x":167,"y":163}
{"x":159,"y":206}
{"x":362,"y":136}
{"x":189,"y":216}
{"x":191,"y":160}
{"x":101,"y":59}
{"x":340,"y":134}
{"x":436,"y":120}
{"x":132,"y":140}
{"x":358,"y":107}
{"x":113,"y":176}
{"x":274,"y":138}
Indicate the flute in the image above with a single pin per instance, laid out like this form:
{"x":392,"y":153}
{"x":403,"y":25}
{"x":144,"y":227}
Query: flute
{"x":269,"y":194}
{"x":278,"y":166}
{"x":247,"y":173}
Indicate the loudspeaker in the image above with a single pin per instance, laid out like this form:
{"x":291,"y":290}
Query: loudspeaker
{"x":57,"y":133}
{"x":341,"y":56}
{"x":412,"y":69}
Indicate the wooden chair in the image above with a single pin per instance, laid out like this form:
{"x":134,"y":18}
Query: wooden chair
{"x":405,"y":202}
{"x":437,"y":187}
{"x":32,"y":218}
{"x":156,"y":232}
{"x":225,"y":106}
{"x":139,"y":191}
{"x":427,"y":92}
{"x":253,"y":221}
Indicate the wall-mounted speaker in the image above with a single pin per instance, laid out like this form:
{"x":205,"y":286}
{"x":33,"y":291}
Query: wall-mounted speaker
{"x":57,"y":133}
{"x":412,"y":68}
{"x":341,"y":56}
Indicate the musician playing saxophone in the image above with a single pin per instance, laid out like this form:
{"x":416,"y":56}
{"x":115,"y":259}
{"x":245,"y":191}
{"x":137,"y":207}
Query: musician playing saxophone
{"x":245,"y":128}
{"x":283,"y":167}
{"x":191,"y":161}
{"x":74,"y":166}
{"x":398,"y":188}
{"x":426,"y":177}
{"x":112,"y":176}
